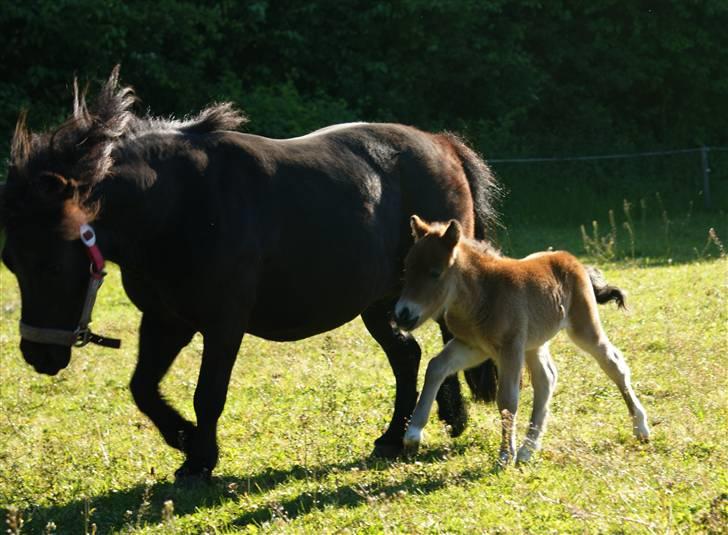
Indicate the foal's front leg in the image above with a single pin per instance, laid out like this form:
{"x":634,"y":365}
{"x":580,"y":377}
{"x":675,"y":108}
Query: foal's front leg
{"x":454,"y":357}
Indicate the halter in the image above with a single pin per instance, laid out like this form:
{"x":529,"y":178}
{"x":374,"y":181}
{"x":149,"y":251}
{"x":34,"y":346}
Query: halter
{"x":82,"y":335}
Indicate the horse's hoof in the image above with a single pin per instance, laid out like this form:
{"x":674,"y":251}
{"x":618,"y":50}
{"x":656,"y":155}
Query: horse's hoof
{"x":456,"y":420}
{"x":387,"y":450}
{"x":458,"y":426}
{"x":187,"y":474}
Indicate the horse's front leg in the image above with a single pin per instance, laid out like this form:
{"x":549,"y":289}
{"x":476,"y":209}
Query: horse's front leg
{"x":403,"y":354}
{"x":218,"y":357}
{"x":160,"y":341}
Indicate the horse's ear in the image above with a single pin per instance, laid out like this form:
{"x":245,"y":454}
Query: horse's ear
{"x":80,"y":109}
{"x":452,"y":234}
{"x":419,"y":227}
{"x":56,"y":185}
{"x":20,"y":146}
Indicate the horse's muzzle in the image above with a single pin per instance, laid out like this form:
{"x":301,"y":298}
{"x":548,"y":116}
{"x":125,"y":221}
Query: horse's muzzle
{"x":48,"y":359}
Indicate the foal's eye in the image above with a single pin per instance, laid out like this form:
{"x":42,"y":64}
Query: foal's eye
{"x":435,"y":274}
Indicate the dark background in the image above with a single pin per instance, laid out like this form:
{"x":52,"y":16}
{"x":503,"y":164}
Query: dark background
{"x":516,"y":78}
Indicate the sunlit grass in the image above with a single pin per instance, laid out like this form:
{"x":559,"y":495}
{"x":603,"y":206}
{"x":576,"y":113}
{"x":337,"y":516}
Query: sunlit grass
{"x":301,"y":417}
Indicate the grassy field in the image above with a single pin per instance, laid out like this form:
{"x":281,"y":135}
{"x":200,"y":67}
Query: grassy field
{"x":76,"y":455}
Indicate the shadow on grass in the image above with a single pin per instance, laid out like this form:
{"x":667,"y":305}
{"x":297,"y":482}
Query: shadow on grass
{"x":142,"y":505}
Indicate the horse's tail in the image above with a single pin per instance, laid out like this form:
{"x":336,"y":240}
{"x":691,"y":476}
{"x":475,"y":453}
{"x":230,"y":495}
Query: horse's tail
{"x":484,"y":187}
{"x":486,"y":193}
{"x":603,"y":292}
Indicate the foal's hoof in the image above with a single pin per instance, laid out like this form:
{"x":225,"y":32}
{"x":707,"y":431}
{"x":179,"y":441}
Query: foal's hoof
{"x":387,"y":450}
{"x":642,"y":431}
{"x":412,"y":440}
{"x":505,"y":458}
{"x":524,"y":455}
{"x":188,"y":474}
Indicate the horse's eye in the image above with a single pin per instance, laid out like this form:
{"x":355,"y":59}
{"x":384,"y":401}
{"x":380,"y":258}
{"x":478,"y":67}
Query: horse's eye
{"x":435,"y":274}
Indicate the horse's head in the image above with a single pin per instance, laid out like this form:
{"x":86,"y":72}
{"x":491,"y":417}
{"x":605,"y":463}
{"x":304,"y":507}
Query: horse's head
{"x":48,"y":195}
{"x":426,"y":272}
{"x":52,"y":270}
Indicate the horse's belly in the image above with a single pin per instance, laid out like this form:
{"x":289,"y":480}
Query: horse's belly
{"x":296,"y":300}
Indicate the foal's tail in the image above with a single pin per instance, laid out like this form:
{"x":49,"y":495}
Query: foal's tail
{"x":603,"y":291}
{"x":486,"y":193}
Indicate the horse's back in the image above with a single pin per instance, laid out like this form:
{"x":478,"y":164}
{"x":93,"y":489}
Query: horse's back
{"x":328,"y":214}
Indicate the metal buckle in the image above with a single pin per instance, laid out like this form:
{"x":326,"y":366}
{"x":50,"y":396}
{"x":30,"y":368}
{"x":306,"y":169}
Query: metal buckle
{"x":88,"y":236}
{"x":83,"y":337}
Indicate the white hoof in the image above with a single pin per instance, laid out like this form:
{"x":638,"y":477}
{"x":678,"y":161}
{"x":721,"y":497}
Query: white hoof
{"x":413,"y":437}
{"x":641,"y":430}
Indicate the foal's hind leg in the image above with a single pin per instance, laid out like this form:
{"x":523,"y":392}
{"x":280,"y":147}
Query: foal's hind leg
{"x":510,"y":365}
{"x":403,"y":354}
{"x":591,"y":338}
{"x":543,"y":376}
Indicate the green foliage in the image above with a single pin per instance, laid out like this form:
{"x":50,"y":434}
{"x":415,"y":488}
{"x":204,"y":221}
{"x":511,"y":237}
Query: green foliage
{"x":518,"y":78}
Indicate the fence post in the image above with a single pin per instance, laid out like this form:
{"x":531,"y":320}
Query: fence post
{"x":706,"y":175}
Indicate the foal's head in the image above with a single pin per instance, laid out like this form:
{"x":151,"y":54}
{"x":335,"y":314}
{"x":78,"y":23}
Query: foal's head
{"x":427,"y":270}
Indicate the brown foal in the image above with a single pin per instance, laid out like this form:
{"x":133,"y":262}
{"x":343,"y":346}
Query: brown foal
{"x":509,"y":310}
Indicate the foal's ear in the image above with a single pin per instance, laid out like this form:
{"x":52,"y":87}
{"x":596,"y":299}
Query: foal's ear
{"x":452,"y":234}
{"x":419,"y":227}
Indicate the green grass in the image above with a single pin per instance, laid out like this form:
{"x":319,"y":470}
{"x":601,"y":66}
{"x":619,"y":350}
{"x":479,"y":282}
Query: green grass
{"x":300,"y":419}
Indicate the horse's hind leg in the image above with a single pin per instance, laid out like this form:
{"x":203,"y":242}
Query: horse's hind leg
{"x":589,"y":336}
{"x":450,"y":404}
{"x":403,"y":354}
{"x":543,"y":376}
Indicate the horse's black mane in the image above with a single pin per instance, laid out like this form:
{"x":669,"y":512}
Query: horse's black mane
{"x":219,"y":116}
{"x":50,"y":167}
{"x":81,"y":148}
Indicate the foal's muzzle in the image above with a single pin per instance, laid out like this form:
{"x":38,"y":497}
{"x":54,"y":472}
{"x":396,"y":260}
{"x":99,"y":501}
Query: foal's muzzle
{"x":405,"y":317}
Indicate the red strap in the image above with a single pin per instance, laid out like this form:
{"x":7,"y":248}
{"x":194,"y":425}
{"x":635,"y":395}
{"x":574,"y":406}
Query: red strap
{"x":88,"y":237}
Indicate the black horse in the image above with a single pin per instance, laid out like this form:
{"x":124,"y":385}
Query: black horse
{"x":224,"y":233}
